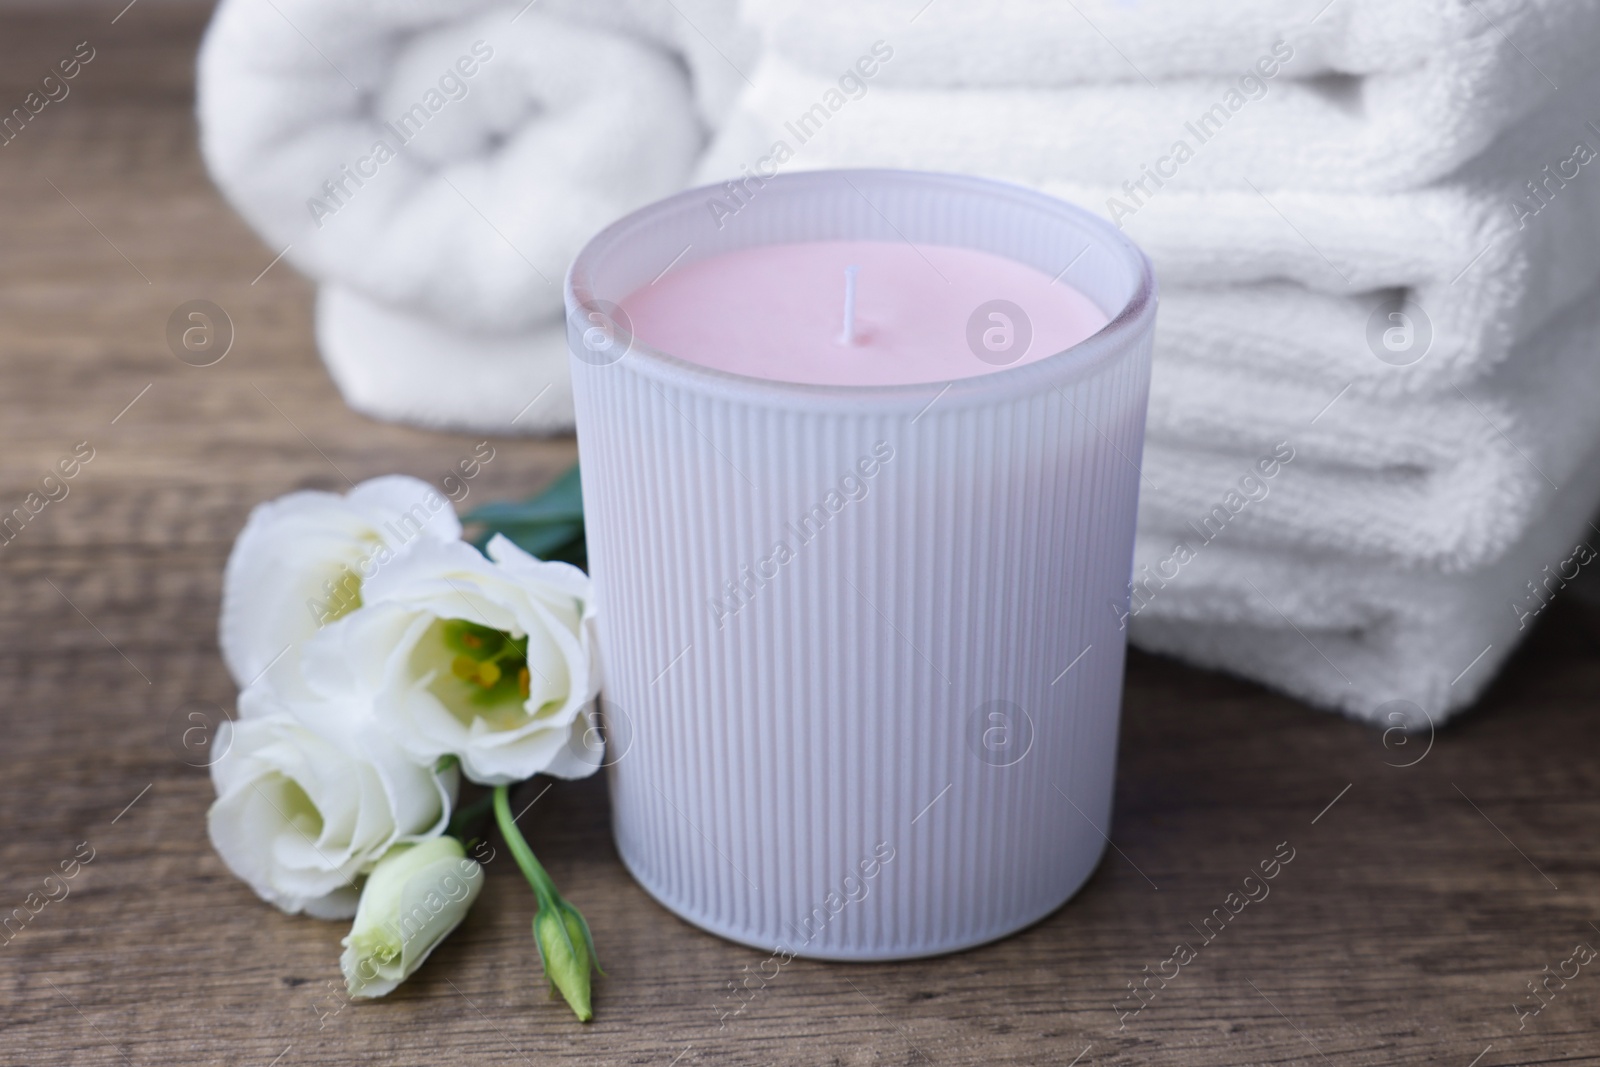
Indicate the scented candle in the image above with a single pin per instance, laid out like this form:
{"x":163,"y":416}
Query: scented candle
{"x":860,"y":470}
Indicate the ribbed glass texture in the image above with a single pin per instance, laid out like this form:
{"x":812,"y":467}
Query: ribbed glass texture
{"x":863,"y":644}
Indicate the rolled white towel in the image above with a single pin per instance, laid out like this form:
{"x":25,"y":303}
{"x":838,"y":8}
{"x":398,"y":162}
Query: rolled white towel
{"x":441,"y":156}
{"x":394,"y":365}
{"x":439,"y":162}
{"x":1343,"y":633}
{"x":1449,"y":481}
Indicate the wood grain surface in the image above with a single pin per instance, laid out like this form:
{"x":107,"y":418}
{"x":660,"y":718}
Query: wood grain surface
{"x":1421,"y":902}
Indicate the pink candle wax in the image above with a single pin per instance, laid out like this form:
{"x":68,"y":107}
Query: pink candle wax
{"x":924,"y":313}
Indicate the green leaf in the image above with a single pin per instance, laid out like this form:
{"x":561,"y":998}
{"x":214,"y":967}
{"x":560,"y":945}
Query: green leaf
{"x":560,"y":501}
{"x":522,"y":513}
{"x":548,"y":524}
{"x":542,"y":539}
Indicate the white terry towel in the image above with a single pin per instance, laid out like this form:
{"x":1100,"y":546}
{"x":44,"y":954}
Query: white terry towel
{"x":1093,"y":92}
{"x":1448,"y":481}
{"x":1287,"y":283}
{"x":1345,"y":634}
{"x":1051,"y":42}
{"x":442,"y":160}
{"x":1372,"y":134}
{"x":394,"y":365}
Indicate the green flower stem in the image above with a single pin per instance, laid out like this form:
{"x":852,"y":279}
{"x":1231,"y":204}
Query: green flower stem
{"x":543,"y":888}
{"x":566,"y":948}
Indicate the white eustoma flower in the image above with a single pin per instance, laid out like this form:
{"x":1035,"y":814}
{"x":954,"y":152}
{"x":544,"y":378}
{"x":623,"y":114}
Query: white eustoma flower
{"x":490,"y":659}
{"x":302,"y":561}
{"x":415,"y":896}
{"x":310,"y":797}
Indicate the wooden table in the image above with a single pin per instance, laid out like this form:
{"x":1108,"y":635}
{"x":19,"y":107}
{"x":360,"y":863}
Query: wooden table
{"x":1420,"y":903}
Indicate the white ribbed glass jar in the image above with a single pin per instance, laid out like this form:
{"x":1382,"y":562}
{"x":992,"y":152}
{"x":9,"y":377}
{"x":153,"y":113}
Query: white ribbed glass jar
{"x":899,"y":739}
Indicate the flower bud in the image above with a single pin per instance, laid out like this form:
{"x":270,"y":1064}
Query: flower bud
{"x":567,"y":952}
{"x":414,"y":897}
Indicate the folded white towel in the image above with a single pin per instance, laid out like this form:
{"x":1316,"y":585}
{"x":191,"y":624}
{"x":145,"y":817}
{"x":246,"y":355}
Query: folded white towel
{"x":1349,"y":635}
{"x":1373,"y":133}
{"x":1449,"y":481}
{"x":1274,"y":327}
{"x":1289,"y":284}
{"x":1048,"y":42}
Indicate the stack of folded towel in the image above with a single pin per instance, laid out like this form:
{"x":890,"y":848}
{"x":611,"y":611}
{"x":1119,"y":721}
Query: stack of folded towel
{"x":1377,"y":230}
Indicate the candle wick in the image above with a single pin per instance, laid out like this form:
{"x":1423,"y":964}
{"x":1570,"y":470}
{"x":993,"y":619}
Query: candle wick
{"x":848,"y":336}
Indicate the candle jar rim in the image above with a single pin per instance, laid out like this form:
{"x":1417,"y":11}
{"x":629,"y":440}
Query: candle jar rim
{"x":1114,"y":340}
